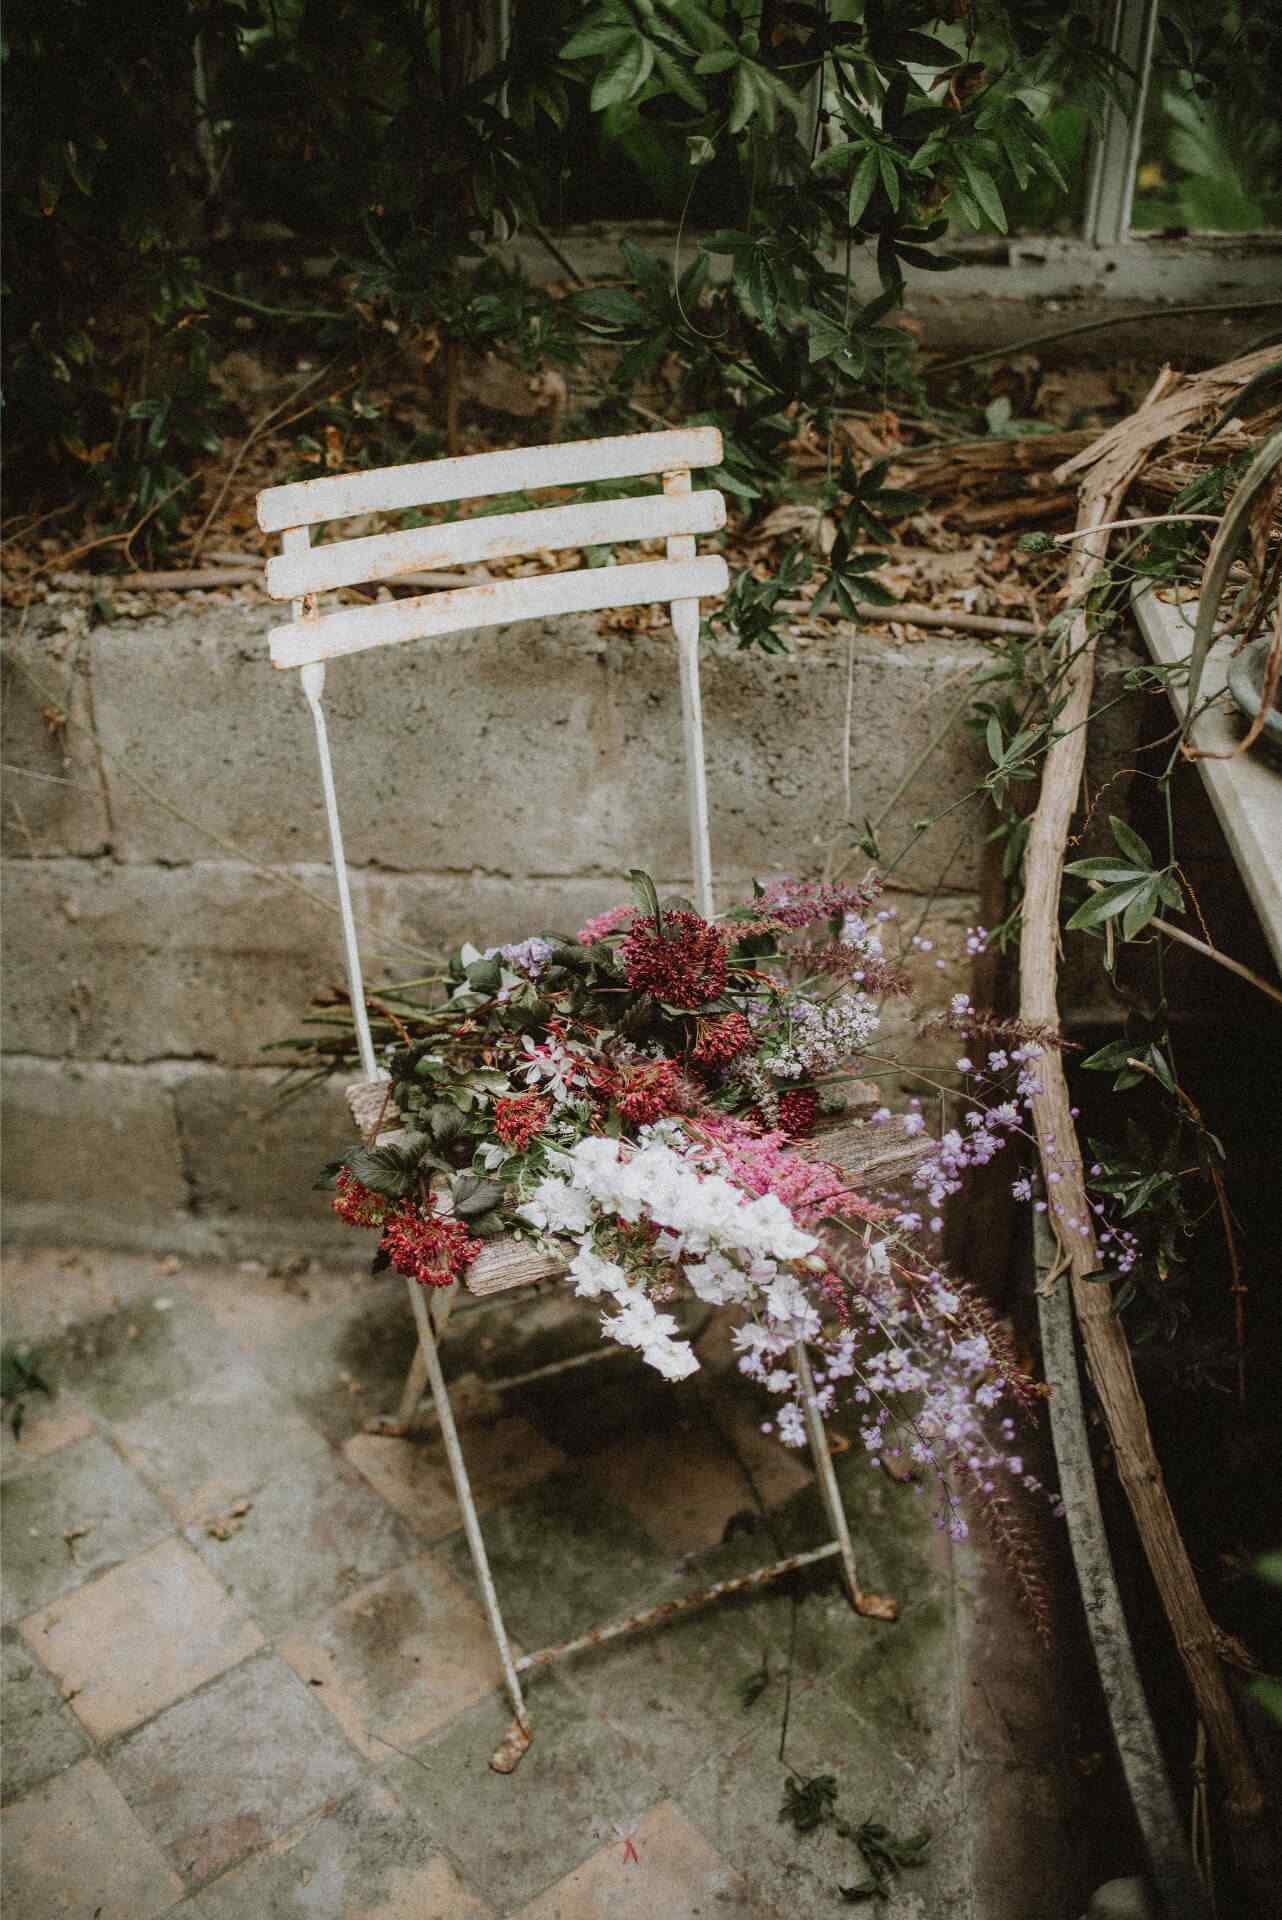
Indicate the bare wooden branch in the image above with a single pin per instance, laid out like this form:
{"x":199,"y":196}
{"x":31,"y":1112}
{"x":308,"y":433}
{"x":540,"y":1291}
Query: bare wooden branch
{"x":1112,"y":464}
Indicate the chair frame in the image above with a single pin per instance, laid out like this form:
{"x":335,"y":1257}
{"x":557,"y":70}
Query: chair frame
{"x":299,"y":573}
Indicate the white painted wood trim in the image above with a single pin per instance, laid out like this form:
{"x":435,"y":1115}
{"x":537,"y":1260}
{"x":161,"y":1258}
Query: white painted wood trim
{"x":1246,"y":791}
{"x":1116,"y":150}
{"x":685,"y":624}
{"x":426,"y":483}
{"x":585,"y":590}
{"x":313,"y":679}
{"x":460,"y":543}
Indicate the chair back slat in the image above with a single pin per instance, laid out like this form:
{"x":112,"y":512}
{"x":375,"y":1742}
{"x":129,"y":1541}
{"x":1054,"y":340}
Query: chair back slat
{"x":470,"y":476}
{"x":537,"y":597}
{"x":460,"y":543}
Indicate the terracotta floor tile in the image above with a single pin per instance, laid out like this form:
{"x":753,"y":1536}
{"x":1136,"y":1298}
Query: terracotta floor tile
{"x":400,"y":1659}
{"x":663,"y":1870}
{"x":503,"y":1457}
{"x":69,"y":1516}
{"x":368,"y":1859}
{"x":256,"y":1305}
{"x":218,"y":1443}
{"x":40,"y":1735}
{"x":683,"y":1485}
{"x":47,"y":1426}
{"x":140,"y":1638}
{"x":74,"y":1851}
{"x":315,"y":1534}
{"x":48,"y":1289}
{"x":239,"y":1765}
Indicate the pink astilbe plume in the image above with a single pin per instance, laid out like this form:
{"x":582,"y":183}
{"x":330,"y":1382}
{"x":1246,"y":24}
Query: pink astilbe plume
{"x":812,"y":1190}
{"x":602,"y":925}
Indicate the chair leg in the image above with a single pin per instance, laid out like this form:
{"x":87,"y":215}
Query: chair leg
{"x":471,"y":1525}
{"x":827,"y":1478}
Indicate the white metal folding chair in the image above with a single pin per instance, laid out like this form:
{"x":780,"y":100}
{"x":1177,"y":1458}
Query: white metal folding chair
{"x":312,"y":638}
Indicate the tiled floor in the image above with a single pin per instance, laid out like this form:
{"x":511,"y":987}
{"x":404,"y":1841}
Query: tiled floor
{"x":247,"y":1673}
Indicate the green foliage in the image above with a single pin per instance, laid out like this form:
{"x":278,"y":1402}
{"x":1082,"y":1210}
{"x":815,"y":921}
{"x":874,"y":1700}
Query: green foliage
{"x":1128,"y":889}
{"x":811,"y":1804}
{"x":19,"y":1377}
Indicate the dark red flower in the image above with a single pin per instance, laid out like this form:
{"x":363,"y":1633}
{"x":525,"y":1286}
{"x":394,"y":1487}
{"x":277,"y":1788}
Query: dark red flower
{"x":426,"y":1246}
{"x":798,"y":1111}
{"x":519,"y":1117}
{"x":648,"y":1090}
{"x":721,"y":1040}
{"x":681,"y":962}
{"x":359,"y":1205}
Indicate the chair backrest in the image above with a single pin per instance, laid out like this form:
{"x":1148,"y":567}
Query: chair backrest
{"x":677,"y":515}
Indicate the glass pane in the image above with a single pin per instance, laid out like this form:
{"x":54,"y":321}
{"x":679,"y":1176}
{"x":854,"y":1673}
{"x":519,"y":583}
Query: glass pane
{"x":1211,"y":151}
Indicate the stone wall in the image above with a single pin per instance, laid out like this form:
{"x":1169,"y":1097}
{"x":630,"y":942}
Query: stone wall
{"x":168,"y":909}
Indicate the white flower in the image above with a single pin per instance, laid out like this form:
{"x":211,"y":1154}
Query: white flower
{"x":593,"y":1276}
{"x":557,"y":1207}
{"x":716,"y":1281}
{"x":674,"y":1359}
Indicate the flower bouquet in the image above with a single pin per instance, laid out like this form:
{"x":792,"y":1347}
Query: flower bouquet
{"x":639,"y":1101}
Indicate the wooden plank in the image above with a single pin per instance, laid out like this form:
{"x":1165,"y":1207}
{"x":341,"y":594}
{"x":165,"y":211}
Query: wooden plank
{"x":424,"y":483}
{"x":586,"y":589}
{"x":461,"y":543}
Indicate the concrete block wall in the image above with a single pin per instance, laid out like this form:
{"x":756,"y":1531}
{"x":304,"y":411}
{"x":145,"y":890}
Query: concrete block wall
{"x":168,"y":909}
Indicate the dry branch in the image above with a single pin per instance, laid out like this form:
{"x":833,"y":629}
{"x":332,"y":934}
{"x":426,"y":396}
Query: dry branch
{"x":1111,"y":465}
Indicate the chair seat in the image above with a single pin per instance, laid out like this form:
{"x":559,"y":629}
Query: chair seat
{"x":882,"y":1153}
{"x":868,"y":1153}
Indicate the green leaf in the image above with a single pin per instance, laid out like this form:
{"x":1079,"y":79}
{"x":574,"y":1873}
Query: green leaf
{"x":1106,"y":868}
{"x":1161,"y":1067}
{"x":889,"y":176}
{"x":626,"y":78}
{"x":1106,"y":905}
{"x":1140,"y":910}
{"x":744,"y":99}
{"x":646,"y":896}
{"x":473,"y":1197}
{"x":834,"y":157}
{"x":678,"y":81}
{"x":1170,"y":891}
{"x":1129,"y":841}
{"x":861,"y":186}
{"x":922,"y":50}
{"x":760,"y":288}
{"x":592,"y":40}
{"x":985,"y":190}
